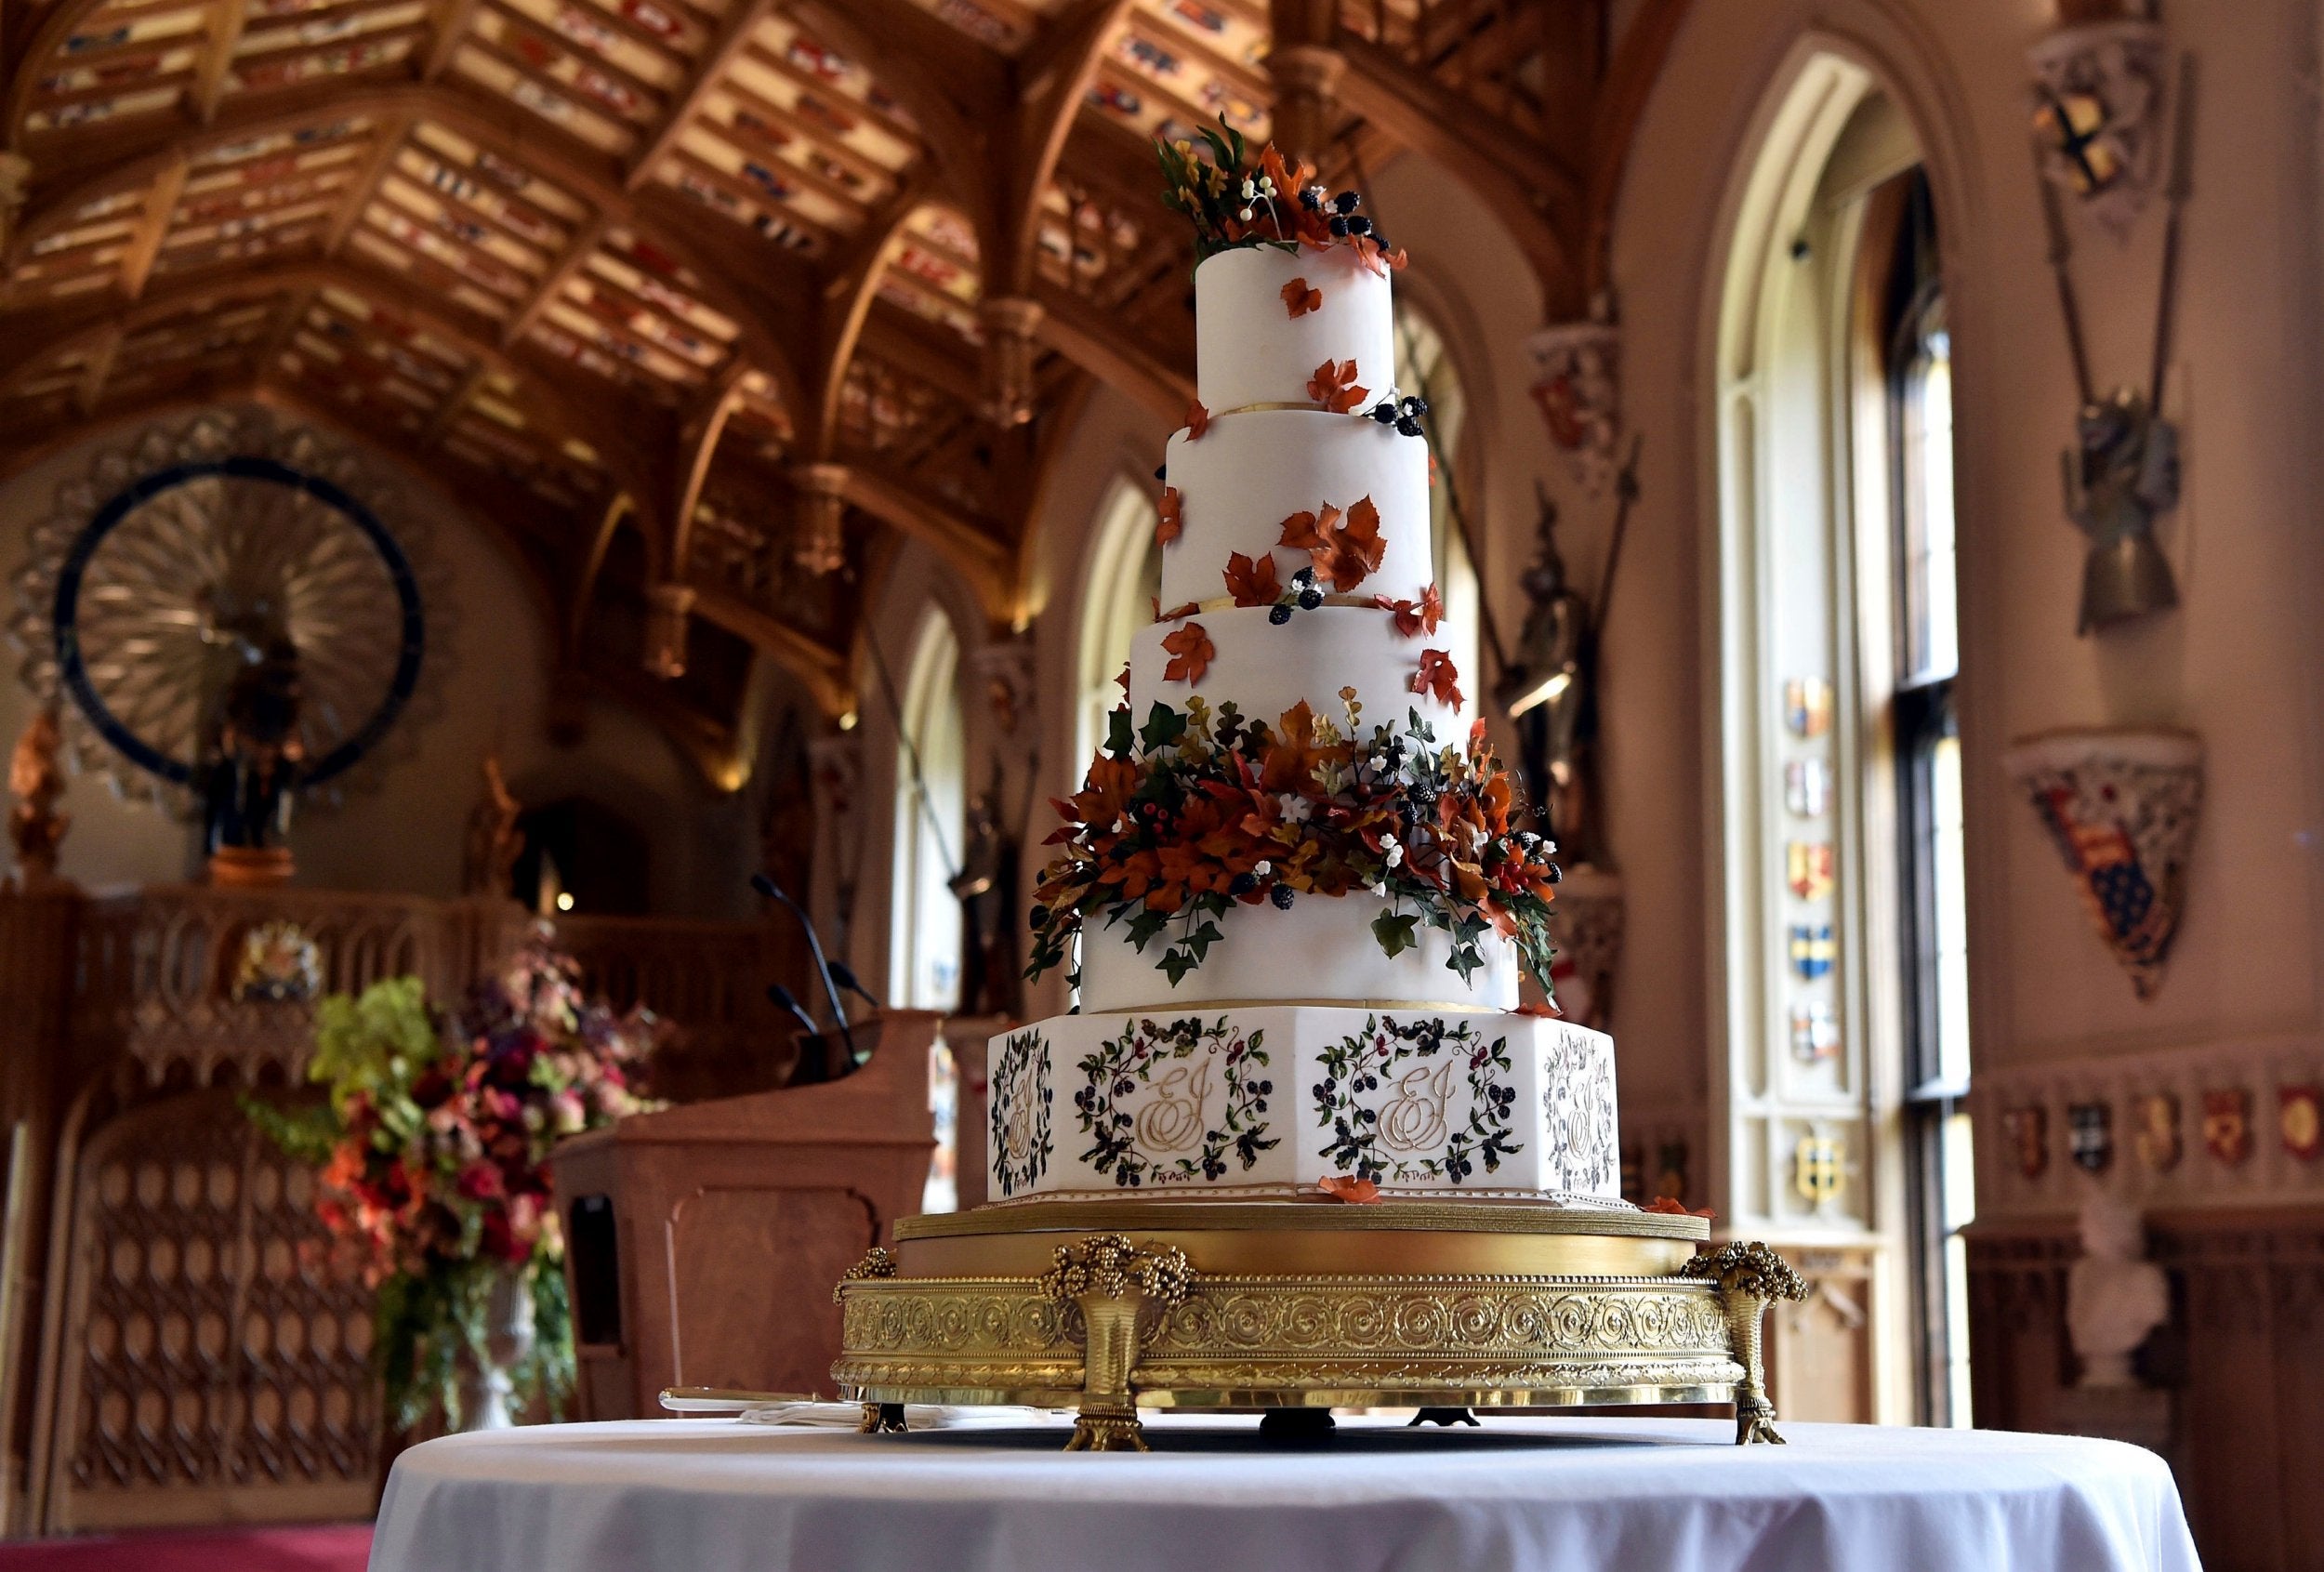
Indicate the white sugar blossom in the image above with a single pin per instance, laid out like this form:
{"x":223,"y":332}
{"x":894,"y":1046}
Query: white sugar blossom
{"x":1295,"y":808}
{"x":1261,"y":868}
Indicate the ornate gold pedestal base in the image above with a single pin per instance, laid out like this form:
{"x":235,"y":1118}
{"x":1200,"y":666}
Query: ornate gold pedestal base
{"x":1108,"y":1307}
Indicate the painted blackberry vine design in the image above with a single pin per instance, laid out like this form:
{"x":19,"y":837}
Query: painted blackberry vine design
{"x":1365,"y":1141}
{"x":1175,"y":1059}
{"x":1020,"y":1098}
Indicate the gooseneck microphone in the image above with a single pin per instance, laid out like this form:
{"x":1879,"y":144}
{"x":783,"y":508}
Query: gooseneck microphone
{"x":766,"y":886}
{"x":844,"y":975}
{"x":787,"y":1002}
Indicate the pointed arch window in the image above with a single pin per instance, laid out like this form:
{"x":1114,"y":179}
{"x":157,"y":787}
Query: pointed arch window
{"x":930,"y":814}
{"x":1125,"y":578}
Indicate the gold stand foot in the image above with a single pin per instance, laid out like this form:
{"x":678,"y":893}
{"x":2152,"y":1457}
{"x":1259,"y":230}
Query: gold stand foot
{"x":882,"y":1419}
{"x":1108,"y":1432}
{"x":1445,"y":1417}
{"x":1108,"y":1281}
{"x":1749,"y":1277}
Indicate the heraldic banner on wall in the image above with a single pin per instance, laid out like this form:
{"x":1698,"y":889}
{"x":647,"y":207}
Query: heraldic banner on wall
{"x":2121,"y":808}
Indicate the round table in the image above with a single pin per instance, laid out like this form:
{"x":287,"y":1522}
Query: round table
{"x":1577,"y":1494}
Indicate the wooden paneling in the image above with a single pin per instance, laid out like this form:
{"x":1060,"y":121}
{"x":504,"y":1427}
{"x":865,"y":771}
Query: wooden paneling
{"x":2242,"y":1359}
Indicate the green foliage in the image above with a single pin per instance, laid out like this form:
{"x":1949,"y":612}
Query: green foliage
{"x":374,"y":1043}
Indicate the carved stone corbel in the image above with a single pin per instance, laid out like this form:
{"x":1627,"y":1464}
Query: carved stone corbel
{"x":1012,"y":324}
{"x":817,"y":544}
{"x":1111,"y":1281}
{"x":1749,"y":1277}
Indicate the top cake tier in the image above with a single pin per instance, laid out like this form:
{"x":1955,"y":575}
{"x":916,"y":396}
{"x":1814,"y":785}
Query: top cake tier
{"x":1249,"y":350}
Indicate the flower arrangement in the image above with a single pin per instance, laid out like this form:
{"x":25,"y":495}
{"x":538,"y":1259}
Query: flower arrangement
{"x":434,"y":1147}
{"x":1236,"y":201}
{"x":1201,"y":810}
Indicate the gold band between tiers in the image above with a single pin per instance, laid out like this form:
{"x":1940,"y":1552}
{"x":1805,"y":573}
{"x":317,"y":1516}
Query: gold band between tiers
{"x":1229,"y":604}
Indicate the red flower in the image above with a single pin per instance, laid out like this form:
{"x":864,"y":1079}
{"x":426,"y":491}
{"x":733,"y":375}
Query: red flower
{"x":1197,"y":420}
{"x":1172,"y":522}
{"x":1438,"y":679}
{"x":1191,"y":652}
{"x":1415,"y":617}
{"x":1299,"y":299}
{"x":1333,"y":386}
{"x":1252,"y":583}
{"x":480,"y":1180}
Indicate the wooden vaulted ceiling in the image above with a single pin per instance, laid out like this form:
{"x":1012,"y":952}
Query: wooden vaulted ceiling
{"x":707,"y":302}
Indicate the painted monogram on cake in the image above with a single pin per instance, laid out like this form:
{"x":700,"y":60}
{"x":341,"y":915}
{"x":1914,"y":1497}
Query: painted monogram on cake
{"x":1387,"y":1101}
{"x":1147,"y":1098}
{"x":1577,"y":1108}
{"x":1019,"y":1098}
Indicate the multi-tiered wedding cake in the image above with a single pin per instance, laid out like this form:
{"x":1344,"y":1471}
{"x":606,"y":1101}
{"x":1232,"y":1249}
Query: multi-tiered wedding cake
{"x":1292,"y":879}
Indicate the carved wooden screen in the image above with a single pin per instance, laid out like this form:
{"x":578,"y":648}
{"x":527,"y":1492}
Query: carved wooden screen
{"x":222,"y":1371}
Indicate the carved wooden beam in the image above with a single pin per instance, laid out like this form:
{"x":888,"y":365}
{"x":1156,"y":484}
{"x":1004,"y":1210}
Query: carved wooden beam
{"x":454,"y":403}
{"x":103,"y":351}
{"x":389,"y":132}
{"x":979,"y":558}
{"x":1096,"y":343}
{"x":822,"y":669}
{"x":447,"y":25}
{"x":698,"y":446}
{"x":734,"y":31}
{"x":217,"y":57}
{"x":1521,"y":186}
{"x":552,"y":284}
{"x":501,"y":129}
{"x":145,"y":243}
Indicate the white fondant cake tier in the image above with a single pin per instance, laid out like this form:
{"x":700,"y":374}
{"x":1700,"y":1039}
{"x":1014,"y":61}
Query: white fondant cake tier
{"x":1275,"y":1101}
{"x":1264,"y":669}
{"x":1321,"y":948}
{"x":1240,"y":480}
{"x":1248,"y":349}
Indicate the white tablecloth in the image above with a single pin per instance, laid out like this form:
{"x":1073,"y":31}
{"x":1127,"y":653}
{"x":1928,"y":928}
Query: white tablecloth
{"x":1575,"y":1494}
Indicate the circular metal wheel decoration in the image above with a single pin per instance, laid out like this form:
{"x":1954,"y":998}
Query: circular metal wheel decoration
{"x":184,"y":556}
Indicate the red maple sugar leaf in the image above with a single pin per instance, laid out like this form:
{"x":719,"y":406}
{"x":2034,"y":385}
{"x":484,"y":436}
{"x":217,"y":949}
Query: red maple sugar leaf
{"x":1190,"y":649}
{"x":1333,"y":386}
{"x":1299,"y":299}
{"x":1415,"y":617}
{"x":1438,"y":679}
{"x":1254,"y":583}
{"x":1197,"y":420}
{"x":1176,"y":613}
{"x":1172,"y":520}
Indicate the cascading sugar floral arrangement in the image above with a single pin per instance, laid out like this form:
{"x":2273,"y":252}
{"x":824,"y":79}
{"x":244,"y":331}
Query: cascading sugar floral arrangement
{"x":1295,"y":895}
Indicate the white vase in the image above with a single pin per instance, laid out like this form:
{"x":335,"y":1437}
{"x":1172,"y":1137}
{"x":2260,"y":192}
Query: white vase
{"x":488,"y":1383}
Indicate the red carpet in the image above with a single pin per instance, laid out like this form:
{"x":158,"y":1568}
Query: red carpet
{"x":340,"y":1547}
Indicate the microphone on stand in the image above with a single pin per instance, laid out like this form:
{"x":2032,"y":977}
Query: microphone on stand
{"x":814,"y":1063}
{"x":787,"y":1002}
{"x":844,"y":975}
{"x":766,"y":886}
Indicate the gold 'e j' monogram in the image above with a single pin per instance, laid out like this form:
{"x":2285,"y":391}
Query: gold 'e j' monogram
{"x":1414,"y":1119}
{"x":1173,"y":1121}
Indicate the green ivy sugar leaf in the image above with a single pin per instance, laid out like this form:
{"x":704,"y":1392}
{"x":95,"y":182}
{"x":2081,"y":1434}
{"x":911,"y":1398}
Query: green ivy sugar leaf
{"x":1397,"y":935}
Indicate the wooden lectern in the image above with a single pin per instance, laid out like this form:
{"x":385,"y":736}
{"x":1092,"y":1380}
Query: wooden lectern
{"x":703,"y":1242}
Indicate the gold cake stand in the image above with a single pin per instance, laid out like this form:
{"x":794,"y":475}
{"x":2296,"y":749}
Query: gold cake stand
{"x":1109,"y":1306}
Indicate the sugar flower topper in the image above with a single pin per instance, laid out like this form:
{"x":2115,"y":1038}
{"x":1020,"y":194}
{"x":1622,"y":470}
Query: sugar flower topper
{"x":1236,"y":201}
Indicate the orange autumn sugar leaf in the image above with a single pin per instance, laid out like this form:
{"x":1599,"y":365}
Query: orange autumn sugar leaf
{"x":1672,"y":1207}
{"x":1353,"y":1191}
{"x":1254,"y":583}
{"x":1345,"y":551}
{"x":1333,"y":386}
{"x":1172,"y":520}
{"x":1190,"y":650}
{"x":1176,"y":613}
{"x":1546,"y":1009}
{"x":1438,"y":679}
{"x":1197,"y":420}
{"x":1300,"y":299}
{"x":1415,"y":617}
